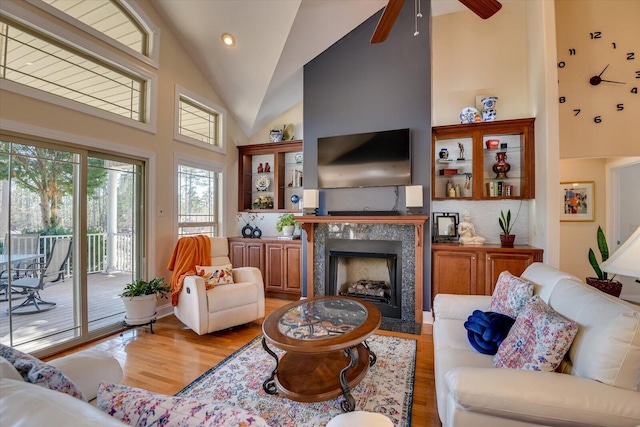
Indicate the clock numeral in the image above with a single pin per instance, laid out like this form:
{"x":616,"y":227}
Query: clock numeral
{"x":563,"y":100}
{"x":634,"y":90}
{"x":561,"y":64}
{"x":631,"y":56}
{"x":576,"y":111}
{"x":597,"y":119}
{"x":596,"y":35}
{"x":620,"y":107}
{"x":614,"y":45}
{"x":572,"y":51}
{"x":637,"y":74}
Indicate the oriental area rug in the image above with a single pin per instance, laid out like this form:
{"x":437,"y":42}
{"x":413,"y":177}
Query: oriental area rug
{"x":387,"y":388}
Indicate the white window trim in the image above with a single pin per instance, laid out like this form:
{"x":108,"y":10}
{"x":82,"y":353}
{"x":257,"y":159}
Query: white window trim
{"x":208,"y":105}
{"x":153,"y":32}
{"x":15,"y":12}
{"x":198,"y":162}
{"x":148,"y":157}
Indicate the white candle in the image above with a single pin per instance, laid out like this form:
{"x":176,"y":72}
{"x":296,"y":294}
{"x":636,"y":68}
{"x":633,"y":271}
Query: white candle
{"x":413,"y":196}
{"x":310,"y":198}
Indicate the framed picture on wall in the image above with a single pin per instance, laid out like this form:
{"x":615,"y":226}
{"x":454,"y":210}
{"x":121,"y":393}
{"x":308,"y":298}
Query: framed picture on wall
{"x":578,"y":201}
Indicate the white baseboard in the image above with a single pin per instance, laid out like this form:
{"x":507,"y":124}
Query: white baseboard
{"x":427,"y":317}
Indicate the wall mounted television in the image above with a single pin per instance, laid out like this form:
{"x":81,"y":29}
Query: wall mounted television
{"x":373,"y":159}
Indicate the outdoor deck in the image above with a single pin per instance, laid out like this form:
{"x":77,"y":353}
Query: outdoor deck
{"x":105,"y":308}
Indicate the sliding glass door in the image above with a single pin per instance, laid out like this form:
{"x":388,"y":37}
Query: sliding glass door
{"x":83,"y":211}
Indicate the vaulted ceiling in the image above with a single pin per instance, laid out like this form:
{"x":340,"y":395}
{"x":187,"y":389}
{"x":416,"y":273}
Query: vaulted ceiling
{"x":260,"y":78}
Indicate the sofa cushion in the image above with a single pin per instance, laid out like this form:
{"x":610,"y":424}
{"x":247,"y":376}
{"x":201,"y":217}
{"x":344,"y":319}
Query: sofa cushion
{"x":8,"y":371}
{"x":607,"y":345}
{"x":225,"y":297}
{"x":448,"y":333}
{"x":37,"y":372}
{"x":544,"y":278}
{"x":25,"y":404}
{"x":538,"y":340}
{"x":140,"y":407}
{"x":87,"y":368}
{"x":510,"y":294}
{"x":215,"y":274}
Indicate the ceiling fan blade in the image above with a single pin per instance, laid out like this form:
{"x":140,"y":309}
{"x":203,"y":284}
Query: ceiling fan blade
{"x":483,"y":8}
{"x":389,"y":15}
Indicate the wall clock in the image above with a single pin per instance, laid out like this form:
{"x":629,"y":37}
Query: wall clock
{"x":599,"y":76}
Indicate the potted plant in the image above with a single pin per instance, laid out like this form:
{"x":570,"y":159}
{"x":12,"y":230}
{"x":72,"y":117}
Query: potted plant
{"x":602,"y":281}
{"x":286,"y":224}
{"x":506,"y":238}
{"x":139,"y":299}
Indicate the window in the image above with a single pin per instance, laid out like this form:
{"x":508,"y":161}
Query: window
{"x":120,"y":23}
{"x":199,"y":122}
{"x":33,"y":60}
{"x":107,"y":17}
{"x":199,"y":198}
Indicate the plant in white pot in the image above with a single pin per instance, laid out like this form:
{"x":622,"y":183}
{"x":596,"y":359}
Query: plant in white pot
{"x":139,"y":299}
{"x":286,"y":224}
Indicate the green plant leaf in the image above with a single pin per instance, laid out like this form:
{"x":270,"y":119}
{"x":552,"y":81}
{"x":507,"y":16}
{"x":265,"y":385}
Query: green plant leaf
{"x":596,"y":267}
{"x":602,"y":245}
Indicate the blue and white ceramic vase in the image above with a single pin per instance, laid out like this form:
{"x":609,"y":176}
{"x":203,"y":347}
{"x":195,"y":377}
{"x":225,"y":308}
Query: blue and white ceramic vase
{"x":489,"y":112}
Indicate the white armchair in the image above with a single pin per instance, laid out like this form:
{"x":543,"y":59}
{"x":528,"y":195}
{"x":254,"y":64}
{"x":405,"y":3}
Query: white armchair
{"x":206,"y":311}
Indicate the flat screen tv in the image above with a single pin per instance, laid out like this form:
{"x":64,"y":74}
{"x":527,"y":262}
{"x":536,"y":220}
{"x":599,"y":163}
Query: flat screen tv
{"x":373,"y":159}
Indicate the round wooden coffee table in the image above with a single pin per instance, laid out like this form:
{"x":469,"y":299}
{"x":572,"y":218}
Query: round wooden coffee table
{"x":326,"y":351}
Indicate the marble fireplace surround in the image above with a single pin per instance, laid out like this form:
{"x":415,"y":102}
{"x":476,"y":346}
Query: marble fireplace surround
{"x":408,"y":229}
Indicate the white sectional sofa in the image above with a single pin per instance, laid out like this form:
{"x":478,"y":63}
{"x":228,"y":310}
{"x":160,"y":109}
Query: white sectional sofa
{"x":601,"y":373}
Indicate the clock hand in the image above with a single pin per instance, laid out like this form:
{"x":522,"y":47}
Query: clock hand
{"x":602,"y":72}
{"x":596,"y":80}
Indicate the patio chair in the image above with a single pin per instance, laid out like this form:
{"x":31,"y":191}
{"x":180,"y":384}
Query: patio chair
{"x":21,"y":244}
{"x":38,"y":275}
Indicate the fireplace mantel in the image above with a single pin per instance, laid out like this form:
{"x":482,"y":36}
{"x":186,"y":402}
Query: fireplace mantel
{"x":418,"y":221}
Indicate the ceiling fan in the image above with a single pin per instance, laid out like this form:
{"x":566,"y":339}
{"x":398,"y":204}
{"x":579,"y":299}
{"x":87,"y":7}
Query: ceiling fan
{"x":483,"y":8}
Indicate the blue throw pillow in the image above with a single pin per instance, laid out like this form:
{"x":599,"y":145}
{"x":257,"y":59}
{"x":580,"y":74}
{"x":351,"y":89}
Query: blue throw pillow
{"x":486,"y":330}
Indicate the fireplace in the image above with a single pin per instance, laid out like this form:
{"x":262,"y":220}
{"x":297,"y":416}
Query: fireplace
{"x":367,"y":269}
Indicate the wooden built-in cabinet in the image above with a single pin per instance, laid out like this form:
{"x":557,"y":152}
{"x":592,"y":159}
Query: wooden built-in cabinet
{"x":469,"y":153}
{"x":280,"y":262}
{"x":272,"y":171}
{"x":474,"y":270}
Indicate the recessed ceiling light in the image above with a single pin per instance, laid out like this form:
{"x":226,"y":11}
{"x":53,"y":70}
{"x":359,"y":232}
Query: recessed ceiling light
{"x":228,"y":39}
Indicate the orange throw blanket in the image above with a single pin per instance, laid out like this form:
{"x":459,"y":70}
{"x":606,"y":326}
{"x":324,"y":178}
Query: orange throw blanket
{"x":188,"y":252}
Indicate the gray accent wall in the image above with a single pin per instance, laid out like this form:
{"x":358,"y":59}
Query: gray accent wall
{"x":356,"y":87}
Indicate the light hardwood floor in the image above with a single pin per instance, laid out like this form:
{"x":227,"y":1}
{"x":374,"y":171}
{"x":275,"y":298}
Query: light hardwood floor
{"x":165,"y":362}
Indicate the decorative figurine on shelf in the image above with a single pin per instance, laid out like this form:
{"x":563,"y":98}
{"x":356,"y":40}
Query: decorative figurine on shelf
{"x":461,"y":150}
{"x":260,"y":168}
{"x":267,"y":168}
{"x":467,"y":232}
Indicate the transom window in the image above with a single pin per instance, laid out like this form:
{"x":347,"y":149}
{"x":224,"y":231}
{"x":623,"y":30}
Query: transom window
{"x":39,"y":62}
{"x":198,"y":199}
{"x":199,"y":121}
{"x":107,"y":17}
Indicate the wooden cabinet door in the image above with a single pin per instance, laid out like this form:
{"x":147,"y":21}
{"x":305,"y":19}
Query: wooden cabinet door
{"x":236,"y":254}
{"x":454,"y":272}
{"x":274,"y":258}
{"x":254,"y":255}
{"x":293,"y":268}
{"x":497,"y":262}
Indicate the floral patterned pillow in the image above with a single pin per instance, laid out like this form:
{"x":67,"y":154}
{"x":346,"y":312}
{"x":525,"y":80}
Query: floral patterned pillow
{"x":215,"y":275}
{"x":37,"y":372}
{"x":138,"y":407}
{"x":510,"y":294}
{"x":538,"y":340}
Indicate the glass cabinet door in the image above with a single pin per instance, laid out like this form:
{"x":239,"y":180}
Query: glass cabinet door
{"x":453,"y":168}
